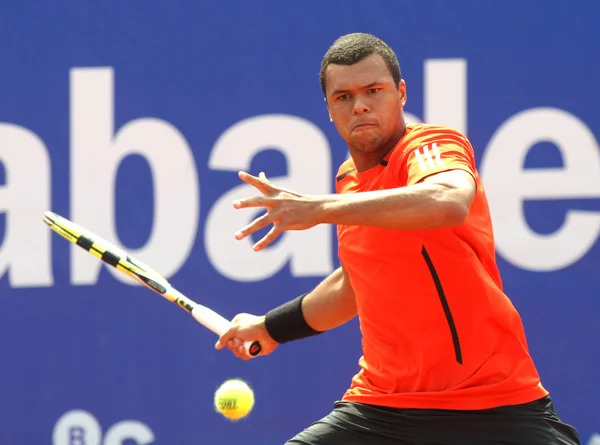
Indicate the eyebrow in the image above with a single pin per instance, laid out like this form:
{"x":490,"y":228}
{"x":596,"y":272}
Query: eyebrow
{"x":372,"y":84}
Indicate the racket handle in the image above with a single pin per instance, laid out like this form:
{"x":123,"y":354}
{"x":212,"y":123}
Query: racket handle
{"x":219,"y":324}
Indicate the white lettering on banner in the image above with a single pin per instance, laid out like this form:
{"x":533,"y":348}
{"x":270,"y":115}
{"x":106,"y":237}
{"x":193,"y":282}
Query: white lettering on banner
{"x":95,"y":158}
{"x":445,"y":92}
{"x":96,"y":153}
{"x":307,"y":152}
{"x":579,"y":178}
{"x":25,"y":253}
{"x":79,"y":427}
{"x":129,"y":430}
{"x":594,"y":440}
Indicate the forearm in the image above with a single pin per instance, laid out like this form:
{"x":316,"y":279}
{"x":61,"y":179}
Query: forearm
{"x":421,"y":206}
{"x":331,"y":303}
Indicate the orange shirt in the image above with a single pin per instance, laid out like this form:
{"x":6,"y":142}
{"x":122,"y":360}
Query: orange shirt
{"x":437,"y":329}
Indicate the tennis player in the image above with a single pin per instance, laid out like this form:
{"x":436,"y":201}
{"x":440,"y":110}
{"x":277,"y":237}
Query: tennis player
{"x":445,"y":358}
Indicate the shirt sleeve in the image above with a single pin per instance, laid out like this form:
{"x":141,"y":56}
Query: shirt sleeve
{"x":438,"y":154}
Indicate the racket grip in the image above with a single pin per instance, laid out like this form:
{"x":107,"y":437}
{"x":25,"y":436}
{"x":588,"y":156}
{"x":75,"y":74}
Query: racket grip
{"x":219,"y":324}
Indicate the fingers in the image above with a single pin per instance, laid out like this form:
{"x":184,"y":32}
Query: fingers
{"x":264,"y":185}
{"x":227,"y":337}
{"x":256,"y":201}
{"x":260,"y":182}
{"x":235,"y":345}
{"x":241,"y":352}
{"x":268,"y":239}
{"x":254,"y":226}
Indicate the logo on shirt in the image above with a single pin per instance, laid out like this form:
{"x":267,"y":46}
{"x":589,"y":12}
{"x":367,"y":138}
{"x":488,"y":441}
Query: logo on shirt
{"x":429,"y":157}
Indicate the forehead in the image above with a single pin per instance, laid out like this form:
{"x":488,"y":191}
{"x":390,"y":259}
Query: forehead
{"x":347,"y":77}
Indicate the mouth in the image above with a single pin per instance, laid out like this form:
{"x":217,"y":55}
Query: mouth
{"x":364,"y":125}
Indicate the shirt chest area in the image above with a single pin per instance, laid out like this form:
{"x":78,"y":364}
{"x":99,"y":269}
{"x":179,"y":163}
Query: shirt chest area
{"x":357,"y":243}
{"x":365,"y":247}
{"x":380,"y":177}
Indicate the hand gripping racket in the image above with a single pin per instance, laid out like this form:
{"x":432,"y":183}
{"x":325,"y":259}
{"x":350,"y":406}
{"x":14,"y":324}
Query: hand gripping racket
{"x":137,"y":270}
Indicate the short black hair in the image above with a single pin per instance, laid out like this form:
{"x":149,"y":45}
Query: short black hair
{"x":352,"y":48}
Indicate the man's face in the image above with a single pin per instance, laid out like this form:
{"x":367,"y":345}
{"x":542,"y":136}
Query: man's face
{"x":365,"y":104}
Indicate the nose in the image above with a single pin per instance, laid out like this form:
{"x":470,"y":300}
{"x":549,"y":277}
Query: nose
{"x":360,"y":107}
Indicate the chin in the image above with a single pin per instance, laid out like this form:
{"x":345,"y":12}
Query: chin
{"x":368,"y":145}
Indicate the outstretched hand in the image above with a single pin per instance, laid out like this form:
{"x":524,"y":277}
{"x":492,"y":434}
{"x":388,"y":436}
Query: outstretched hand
{"x":286,"y":210}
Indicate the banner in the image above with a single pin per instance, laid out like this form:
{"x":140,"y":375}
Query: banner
{"x":133,"y":119}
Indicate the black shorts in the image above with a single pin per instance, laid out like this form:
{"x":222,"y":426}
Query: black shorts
{"x":534,"y":423}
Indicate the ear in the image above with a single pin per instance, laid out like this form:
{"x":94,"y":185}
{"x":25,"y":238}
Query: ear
{"x":402,"y":92}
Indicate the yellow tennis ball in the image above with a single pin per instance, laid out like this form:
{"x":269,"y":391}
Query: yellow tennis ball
{"x":234,"y":399}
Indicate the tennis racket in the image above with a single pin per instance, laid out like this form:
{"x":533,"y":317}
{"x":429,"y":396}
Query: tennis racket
{"x":137,"y":270}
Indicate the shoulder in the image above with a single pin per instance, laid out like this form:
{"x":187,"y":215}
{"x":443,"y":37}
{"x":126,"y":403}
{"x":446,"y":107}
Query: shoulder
{"x":430,"y":148}
{"x":343,"y":177}
{"x":428,"y":132}
{"x":428,"y":138}
{"x":345,"y":169}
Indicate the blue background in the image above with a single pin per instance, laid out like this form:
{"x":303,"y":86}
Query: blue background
{"x":121,"y":352}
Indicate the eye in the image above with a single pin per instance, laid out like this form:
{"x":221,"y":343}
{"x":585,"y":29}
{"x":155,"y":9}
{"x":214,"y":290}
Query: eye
{"x":373,"y":90}
{"x":344,"y":97}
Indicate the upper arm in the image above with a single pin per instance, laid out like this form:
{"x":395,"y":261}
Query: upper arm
{"x":460,"y":182}
{"x":347,"y":285}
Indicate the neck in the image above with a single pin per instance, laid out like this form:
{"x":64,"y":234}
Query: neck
{"x":366,"y":160}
